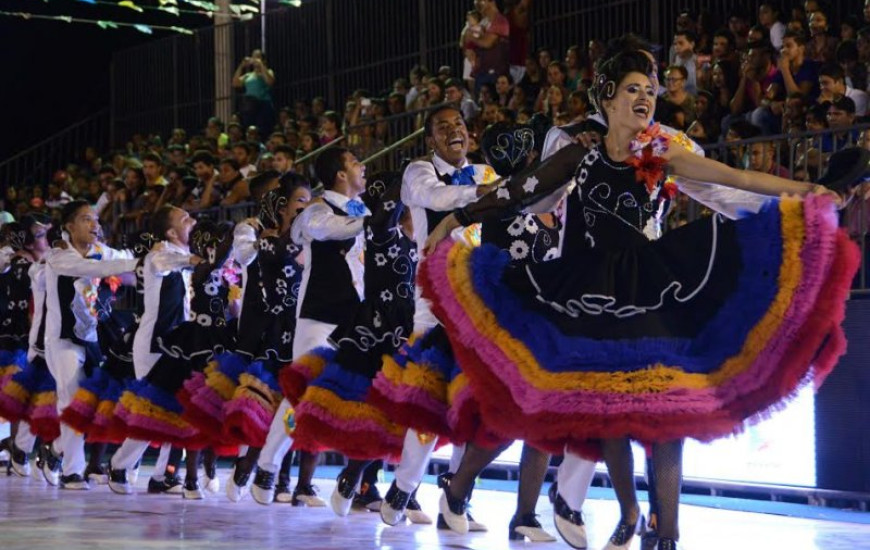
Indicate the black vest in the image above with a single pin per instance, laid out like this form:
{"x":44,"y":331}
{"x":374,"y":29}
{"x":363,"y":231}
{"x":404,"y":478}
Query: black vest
{"x":433,"y":218}
{"x":330,"y":296}
{"x":66,"y":292}
{"x":170,"y":310}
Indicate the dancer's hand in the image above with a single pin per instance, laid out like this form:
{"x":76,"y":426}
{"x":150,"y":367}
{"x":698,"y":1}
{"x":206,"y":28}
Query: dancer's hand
{"x":834,"y":196}
{"x":441,"y":232}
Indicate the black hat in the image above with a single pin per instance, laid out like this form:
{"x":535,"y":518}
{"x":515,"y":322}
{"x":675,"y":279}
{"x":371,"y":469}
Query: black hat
{"x":846,"y":169}
{"x":507,"y":147}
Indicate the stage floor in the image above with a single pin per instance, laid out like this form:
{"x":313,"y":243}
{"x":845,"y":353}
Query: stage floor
{"x":34,"y":516}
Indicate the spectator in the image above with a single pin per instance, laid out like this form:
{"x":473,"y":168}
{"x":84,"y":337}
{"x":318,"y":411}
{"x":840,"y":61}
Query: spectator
{"x":796,"y":72}
{"x":758,"y":34}
{"x":178,"y":137}
{"x":577,"y":68}
{"x":177,"y":155}
{"x":106,"y":176}
{"x":318,"y":106}
{"x":262,"y":183}
{"x":283,"y":159}
{"x":763,"y":158}
{"x":518,"y":99}
{"x":504,"y":89}
{"x":544,"y":57}
{"x":533,"y":80}
{"x":841,"y":116}
{"x":723,"y":85}
{"x":676,"y":93}
{"x":492,"y":47}
{"x":517,"y":13}
{"x":57,"y":197}
{"x":5,"y":217}
{"x":490,"y":113}
{"x":757,"y":74}
{"x":395,"y":103}
{"x":769,"y":15}
{"x":578,"y":105}
{"x":738,"y":153}
{"x":214,"y":129}
{"x":454,"y":92}
{"x":849,"y":28}
{"x":738,"y":24}
{"x":207,"y":190}
{"x":152,"y":167}
{"x":847,"y":59}
{"x":330,"y":127}
{"x":595,"y":51}
{"x":556,"y":76}
{"x":242,"y":155}
{"x":794,"y":113}
{"x":233,"y":183}
{"x":685,"y":56}
{"x":235,"y":132}
{"x":798,"y":25}
{"x":434,"y":92}
{"x":832,"y":83}
{"x":472,"y":29}
{"x":822,"y":47}
{"x":555,"y":102}
{"x":418,"y":76}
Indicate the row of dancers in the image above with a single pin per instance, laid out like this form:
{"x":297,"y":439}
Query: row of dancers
{"x":531,"y":298}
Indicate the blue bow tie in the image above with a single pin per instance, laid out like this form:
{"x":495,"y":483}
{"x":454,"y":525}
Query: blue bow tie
{"x":355,"y":208}
{"x":464,"y":176}
{"x":95,"y":256}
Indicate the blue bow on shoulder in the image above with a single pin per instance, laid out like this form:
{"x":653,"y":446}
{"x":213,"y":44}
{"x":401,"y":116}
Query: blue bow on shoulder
{"x":95,"y":256}
{"x":355,"y":208}
{"x":463,"y":176}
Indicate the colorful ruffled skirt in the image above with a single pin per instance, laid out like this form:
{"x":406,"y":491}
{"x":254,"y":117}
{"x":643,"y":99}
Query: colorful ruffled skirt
{"x":330,"y":387}
{"x":11,"y":363}
{"x":714,"y":325}
{"x":30,"y":395}
{"x":92,"y":410}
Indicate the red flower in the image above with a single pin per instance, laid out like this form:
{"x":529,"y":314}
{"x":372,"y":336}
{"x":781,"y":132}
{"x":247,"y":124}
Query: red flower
{"x":114,"y":283}
{"x":669,"y":190}
{"x":649,"y":169}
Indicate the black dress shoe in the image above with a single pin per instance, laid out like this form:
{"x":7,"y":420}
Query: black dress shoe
{"x":528,"y":526}
{"x":667,"y":544}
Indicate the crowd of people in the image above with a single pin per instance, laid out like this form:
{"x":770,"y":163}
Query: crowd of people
{"x":726,"y":77}
{"x":337,"y":314}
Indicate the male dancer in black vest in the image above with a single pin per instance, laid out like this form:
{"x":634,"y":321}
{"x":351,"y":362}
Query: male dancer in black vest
{"x":330,"y":230}
{"x":167,"y":304}
{"x":432,"y":187}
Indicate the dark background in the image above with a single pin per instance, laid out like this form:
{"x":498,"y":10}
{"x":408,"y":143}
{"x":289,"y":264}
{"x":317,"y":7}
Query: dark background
{"x":55,"y":73}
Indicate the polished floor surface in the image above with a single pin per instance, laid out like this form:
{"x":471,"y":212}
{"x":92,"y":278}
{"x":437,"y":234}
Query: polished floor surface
{"x":34,"y":516}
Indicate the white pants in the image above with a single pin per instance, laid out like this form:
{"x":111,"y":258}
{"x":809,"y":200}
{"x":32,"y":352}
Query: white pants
{"x":309,"y":334}
{"x":65,"y":362}
{"x":131,"y":451}
{"x":575,"y":476}
{"x":25,"y":439}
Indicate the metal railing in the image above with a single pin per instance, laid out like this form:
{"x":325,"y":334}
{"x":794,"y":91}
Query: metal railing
{"x":37,"y":163}
{"x":330,"y":48}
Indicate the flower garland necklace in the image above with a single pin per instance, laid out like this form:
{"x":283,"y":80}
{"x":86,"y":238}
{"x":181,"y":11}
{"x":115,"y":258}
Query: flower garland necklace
{"x":649,"y":165}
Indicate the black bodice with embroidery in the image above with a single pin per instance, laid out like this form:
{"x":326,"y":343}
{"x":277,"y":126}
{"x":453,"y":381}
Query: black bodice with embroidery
{"x":15,"y":287}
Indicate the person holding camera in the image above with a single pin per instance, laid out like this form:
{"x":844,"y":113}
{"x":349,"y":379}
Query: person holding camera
{"x":257,"y":79}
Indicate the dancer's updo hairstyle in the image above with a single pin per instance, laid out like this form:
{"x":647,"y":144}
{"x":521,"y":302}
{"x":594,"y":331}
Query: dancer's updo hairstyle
{"x":613,"y":71}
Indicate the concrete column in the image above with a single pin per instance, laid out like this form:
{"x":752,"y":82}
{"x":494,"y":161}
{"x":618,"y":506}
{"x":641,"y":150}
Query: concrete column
{"x":223,"y":61}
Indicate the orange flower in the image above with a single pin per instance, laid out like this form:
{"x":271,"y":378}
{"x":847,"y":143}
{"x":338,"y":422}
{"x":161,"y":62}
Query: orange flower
{"x":649,"y":169}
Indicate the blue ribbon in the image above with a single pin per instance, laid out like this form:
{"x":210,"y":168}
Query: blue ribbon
{"x":355,"y":208}
{"x":463,"y":176}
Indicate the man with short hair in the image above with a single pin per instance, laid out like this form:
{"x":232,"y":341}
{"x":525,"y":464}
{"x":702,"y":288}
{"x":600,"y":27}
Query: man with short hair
{"x":832,"y":84}
{"x":242,"y":156}
{"x":454,"y":92}
{"x":152,"y":166}
{"x":762,"y":159}
{"x":330,"y":231}
{"x":207,"y":191}
{"x":685,"y":57}
{"x":283,"y":160}
{"x":840,"y":116}
{"x":177,"y":155}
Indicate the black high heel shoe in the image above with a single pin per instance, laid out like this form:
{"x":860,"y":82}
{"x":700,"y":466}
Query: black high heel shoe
{"x":623,"y":534}
{"x":667,"y":544}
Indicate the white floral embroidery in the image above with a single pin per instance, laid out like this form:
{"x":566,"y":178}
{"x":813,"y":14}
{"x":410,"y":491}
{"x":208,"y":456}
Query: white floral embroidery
{"x":531,"y":224}
{"x":277,"y":309}
{"x":380,"y":259}
{"x":204,"y":320}
{"x":289,"y":271}
{"x":386,"y":296}
{"x":530,"y":184}
{"x":413,"y":255}
{"x":211,"y":289}
{"x":503,"y":193}
{"x":389,"y":205}
{"x":519,"y":250}
{"x":394,"y":250}
{"x":286,"y":337}
{"x":516,"y":228}
{"x":266,"y":246}
{"x":377,"y":322}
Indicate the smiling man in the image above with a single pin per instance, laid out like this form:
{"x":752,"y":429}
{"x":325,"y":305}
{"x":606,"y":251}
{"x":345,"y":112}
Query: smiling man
{"x":432,"y":187}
